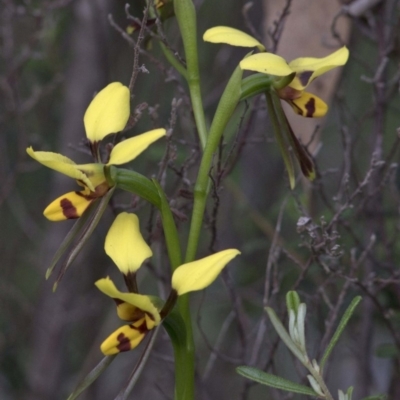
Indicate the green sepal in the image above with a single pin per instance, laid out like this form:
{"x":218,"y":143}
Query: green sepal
{"x":92,"y":376}
{"x":72,"y":234}
{"x":281,"y":138}
{"x":170,"y":231}
{"x":292,"y":301}
{"x":133,"y":182}
{"x":284,"y":81}
{"x":274,"y":381}
{"x":305,"y":161}
{"x":339,"y":330}
{"x":175,"y":327}
{"x":85,"y":234}
{"x":256,"y":84}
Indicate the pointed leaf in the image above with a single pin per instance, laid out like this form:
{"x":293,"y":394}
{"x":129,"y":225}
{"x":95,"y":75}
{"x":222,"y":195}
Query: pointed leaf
{"x":255,"y":84}
{"x":274,"y":381}
{"x":134,"y":182}
{"x":91,"y":376}
{"x":339,"y":330}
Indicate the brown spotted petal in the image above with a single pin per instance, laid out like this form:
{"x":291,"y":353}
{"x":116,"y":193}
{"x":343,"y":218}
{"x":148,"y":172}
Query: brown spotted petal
{"x":125,"y":338}
{"x":69,"y":206}
{"x":308,"y":105}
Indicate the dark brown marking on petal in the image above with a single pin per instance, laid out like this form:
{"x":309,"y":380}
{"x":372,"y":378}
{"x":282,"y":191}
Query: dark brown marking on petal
{"x":118,"y":301}
{"x":310,"y":107}
{"x":304,"y":77}
{"x":124,"y":343}
{"x":142,"y":328}
{"x":68,"y":209}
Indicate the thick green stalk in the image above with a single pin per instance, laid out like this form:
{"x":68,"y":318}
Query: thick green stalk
{"x":226,"y":106}
{"x":186,"y":16}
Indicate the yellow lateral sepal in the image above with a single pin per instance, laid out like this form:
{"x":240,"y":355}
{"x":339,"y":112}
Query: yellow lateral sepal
{"x":199,"y":274}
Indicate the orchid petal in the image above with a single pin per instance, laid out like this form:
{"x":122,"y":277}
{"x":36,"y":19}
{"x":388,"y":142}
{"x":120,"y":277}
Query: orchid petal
{"x":309,"y":68}
{"x":267,"y":63}
{"x":68,"y":206}
{"x":308,"y":105}
{"x":129,"y":149}
{"x":199,"y":274}
{"x":108,"y":112}
{"x":60,"y":163}
{"x":142,"y":302}
{"x":125,"y":244}
{"x":232,"y":36}
{"x":124,"y":339}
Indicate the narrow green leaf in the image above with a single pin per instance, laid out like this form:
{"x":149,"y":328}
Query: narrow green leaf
{"x":84,"y":235}
{"x":136,"y":183}
{"x":342,"y":324}
{"x":274,"y":381}
{"x":305,"y":161}
{"x":283,"y":334}
{"x":92,"y":376}
{"x":280,"y":137}
{"x":376,"y":397}
{"x":255,"y":84}
{"x":137,"y":371}
{"x":72,"y":234}
{"x":350,"y":393}
{"x":170,"y":231}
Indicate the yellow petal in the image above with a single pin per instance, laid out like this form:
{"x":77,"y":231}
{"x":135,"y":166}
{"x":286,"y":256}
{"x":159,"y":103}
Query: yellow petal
{"x":309,"y":105}
{"x":125,"y":244}
{"x":267,"y":63}
{"x":108,"y":112}
{"x":199,"y":274}
{"x":129,"y":149}
{"x":60,"y":163}
{"x":68,"y":206}
{"x":142,"y":302}
{"x":308,"y":68}
{"x":124,"y":339}
{"x":232,"y":36}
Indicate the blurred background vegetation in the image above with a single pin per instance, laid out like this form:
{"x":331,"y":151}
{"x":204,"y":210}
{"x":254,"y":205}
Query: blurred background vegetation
{"x":330,"y":240}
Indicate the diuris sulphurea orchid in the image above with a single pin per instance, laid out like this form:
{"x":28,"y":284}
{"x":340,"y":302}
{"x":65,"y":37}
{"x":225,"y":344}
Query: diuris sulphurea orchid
{"x":108,"y":113}
{"x":285,"y":81}
{"x":304,"y":69}
{"x":125,"y":245}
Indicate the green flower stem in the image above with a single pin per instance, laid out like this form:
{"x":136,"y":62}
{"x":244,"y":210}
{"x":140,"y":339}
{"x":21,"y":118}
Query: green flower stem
{"x":226,"y":106}
{"x":186,"y":16}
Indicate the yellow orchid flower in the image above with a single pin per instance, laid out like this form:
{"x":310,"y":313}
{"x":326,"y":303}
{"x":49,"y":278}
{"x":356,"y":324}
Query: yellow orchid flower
{"x":305,"y":69}
{"x":107,"y":113}
{"x":142,"y":311}
{"x":125,"y":244}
